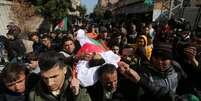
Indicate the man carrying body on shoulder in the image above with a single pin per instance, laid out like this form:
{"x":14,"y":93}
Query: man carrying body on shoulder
{"x":107,"y":87}
{"x":57,"y":83}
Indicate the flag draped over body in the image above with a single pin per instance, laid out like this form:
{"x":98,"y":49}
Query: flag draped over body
{"x":88,"y":75}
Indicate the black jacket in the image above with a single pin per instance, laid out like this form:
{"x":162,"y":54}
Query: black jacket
{"x":158,"y":86}
{"x":97,"y":94}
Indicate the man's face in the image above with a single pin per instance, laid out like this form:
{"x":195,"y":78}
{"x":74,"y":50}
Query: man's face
{"x":115,"y":49}
{"x":141,"y":42}
{"x":35,"y":38}
{"x":53,"y":35}
{"x":104,"y":35}
{"x":118,"y":39}
{"x":46,"y":42}
{"x":17,"y":86}
{"x":33,"y":64}
{"x":54,"y":78}
{"x":109,"y":81}
{"x":69,"y":46}
{"x":161,"y":64}
{"x":146,"y":30}
{"x":133,"y":27}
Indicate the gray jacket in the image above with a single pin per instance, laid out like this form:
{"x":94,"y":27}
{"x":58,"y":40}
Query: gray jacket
{"x":160,"y":85}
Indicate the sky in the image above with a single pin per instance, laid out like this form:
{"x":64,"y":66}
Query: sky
{"x":90,"y":4}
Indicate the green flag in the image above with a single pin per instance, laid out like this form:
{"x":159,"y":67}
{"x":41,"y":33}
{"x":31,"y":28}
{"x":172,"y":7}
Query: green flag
{"x":62,"y":25}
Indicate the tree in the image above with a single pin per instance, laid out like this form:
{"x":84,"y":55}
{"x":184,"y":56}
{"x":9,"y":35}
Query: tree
{"x":82,"y":9}
{"x":53,"y":9}
{"x":107,"y":14}
{"x":99,"y":10}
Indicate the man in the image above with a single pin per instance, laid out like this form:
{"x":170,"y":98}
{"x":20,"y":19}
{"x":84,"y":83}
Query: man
{"x":47,"y":44}
{"x":103,"y":36}
{"x":33,"y":65}
{"x":37,"y":45}
{"x":16,"y":46}
{"x":107,"y":87}
{"x":115,"y":49}
{"x":132,"y":35}
{"x":15,"y":83}
{"x":56,"y":83}
{"x":70,"y":48}
{"x":159,"y":78}
{"x":91,"y":32}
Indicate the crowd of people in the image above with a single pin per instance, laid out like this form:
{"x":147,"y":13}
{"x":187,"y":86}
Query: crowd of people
{"x":157,"y":63}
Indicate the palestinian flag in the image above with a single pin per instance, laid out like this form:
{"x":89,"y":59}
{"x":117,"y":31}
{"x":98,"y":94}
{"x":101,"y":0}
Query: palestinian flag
{"x":62,"y":25}
{"x":83,"y":38}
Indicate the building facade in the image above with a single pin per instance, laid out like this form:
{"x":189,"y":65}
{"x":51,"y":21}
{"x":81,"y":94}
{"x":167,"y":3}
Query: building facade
{"x":4,"y":16}
{"x":106,"y":3}
{"x":74,"y":11}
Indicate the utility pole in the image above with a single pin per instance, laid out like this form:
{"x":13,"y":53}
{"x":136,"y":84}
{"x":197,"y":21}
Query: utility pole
{"x":175,"y":4}
{"x":169,"y":6}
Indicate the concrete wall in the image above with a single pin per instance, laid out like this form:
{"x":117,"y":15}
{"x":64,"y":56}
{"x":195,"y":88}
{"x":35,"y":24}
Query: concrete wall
{"x":4,"y":16}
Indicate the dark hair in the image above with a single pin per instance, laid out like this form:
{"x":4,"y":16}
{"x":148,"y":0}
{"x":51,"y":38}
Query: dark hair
{"x":90,"y":28}
{"x":103,"y":29}
{"x":32,"y":56}
{"x":50,"y":59}
{"x":46,"y":36}
{"x":106,"y":69}
{"x":67,"y":39}
{"x":11,"y":72}
{"x":32,"y":34}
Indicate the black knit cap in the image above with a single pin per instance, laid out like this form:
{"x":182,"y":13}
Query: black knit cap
{"x":163,"y":50}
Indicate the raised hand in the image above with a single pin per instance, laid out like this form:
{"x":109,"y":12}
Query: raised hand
{"x":75,"y":86}
{"x":125,"y":70}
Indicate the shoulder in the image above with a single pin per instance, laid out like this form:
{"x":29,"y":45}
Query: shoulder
{"x":177,"y":67}
{"x":176,"y":64}
{"x":35,"y":93}
{"x":32,"y":80}
{"x":83,"y":95}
